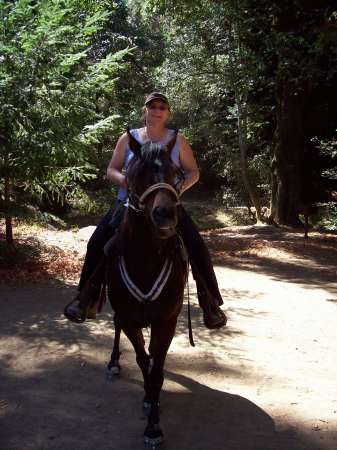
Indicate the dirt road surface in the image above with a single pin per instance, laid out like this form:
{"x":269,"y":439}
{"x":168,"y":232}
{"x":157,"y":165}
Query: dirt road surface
{"x":265,"y":382}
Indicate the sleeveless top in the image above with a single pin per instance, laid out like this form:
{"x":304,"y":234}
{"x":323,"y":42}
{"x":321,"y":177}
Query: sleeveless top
{"x":175,"y":156}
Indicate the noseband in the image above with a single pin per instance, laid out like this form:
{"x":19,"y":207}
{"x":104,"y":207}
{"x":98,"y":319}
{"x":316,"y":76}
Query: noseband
{"x":148,"y":191}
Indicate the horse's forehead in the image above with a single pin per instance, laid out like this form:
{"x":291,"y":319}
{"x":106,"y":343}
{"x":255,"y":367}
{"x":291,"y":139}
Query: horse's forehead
{"x":158,"y":163}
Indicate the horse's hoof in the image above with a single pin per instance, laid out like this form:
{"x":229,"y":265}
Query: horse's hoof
{"x":112,"y":371}
{"x":153,"y":437}
{"x":152,"y":444}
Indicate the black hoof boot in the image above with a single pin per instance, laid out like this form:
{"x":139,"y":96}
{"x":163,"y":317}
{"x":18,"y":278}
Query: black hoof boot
{"x":153,"y":437}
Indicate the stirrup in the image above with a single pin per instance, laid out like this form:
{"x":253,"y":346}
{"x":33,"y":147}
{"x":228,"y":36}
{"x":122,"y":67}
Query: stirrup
{"x":76,"y":315}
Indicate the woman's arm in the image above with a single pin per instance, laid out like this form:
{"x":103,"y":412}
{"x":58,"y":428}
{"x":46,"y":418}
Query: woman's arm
{"x":188,"y":164}
{"x":115,"y":167}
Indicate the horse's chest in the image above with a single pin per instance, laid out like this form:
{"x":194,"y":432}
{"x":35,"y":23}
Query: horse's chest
{"x":145,"y":295}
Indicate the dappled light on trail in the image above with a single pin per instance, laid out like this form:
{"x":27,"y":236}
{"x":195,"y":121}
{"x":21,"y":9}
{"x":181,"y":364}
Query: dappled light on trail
{"x":266,"y":381}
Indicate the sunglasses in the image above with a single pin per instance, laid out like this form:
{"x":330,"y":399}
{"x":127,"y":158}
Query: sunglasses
{"x":160,"y":107}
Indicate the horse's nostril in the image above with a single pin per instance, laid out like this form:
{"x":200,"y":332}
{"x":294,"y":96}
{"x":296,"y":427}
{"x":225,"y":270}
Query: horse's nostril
{"x":162,"y":212}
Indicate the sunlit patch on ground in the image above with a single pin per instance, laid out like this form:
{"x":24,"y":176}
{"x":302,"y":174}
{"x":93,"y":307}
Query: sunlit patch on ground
{"x":268,"y":378}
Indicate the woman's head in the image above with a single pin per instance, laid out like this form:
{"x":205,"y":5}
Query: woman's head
{"x":156,"y":110}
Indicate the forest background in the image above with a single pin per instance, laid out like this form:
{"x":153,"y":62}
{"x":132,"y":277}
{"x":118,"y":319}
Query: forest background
{"x":253,"y":86}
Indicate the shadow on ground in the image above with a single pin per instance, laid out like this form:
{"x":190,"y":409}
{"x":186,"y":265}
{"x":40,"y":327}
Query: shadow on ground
{"x":282,"y":255}
{"x":54,"y":397}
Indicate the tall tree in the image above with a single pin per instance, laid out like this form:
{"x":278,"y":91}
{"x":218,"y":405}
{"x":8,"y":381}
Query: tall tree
{"x":305,"y":36}
{"x":286,"y":45}
{"x":50,"y":81}
{"x":213,"y":75}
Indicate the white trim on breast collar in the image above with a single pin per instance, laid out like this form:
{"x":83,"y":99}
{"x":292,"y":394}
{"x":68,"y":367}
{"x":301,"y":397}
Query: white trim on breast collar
{"x":157,"y":287}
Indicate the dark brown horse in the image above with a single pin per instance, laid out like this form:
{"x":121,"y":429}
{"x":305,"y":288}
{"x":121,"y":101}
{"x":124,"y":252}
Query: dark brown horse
{"x":146,"y":273}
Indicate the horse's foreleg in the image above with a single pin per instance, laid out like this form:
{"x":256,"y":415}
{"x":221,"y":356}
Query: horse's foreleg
{"x":161,"y":338}
{"x":113,"y":368}
{"x":135,"y":336}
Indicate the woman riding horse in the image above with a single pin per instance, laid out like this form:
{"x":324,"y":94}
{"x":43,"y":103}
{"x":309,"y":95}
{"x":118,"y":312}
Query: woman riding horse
{"x":156,"y":114}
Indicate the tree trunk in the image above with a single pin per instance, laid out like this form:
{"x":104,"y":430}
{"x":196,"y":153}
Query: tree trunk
{"x":8,"y":218}
{"x":235,"y":57}
{"x":289,"y":149}
{"x":242,"y":133}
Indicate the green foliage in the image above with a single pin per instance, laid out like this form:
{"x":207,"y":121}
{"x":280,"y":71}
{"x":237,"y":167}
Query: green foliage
{"x":74,"y":73}
{"x":61,"y":183}
{"x":208,"y":68}
{"x":93,"y":201}
{"x":327,"y":147}
{"x":220,"y":56}
{"x":330,"y":222}
{"x":325,"y":219}
{"x":50,"y":83}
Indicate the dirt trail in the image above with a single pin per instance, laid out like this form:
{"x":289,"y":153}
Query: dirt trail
{"x":266,"y":382}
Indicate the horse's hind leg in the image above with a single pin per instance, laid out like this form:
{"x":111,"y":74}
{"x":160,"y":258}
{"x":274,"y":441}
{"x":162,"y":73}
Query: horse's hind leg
{"x":113,"y":368}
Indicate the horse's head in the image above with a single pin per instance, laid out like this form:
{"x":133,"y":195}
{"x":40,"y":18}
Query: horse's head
{"x":152,"y":184}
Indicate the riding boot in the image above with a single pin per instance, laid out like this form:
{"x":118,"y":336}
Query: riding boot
{"x":85,"y":304}
{"x":213,"y":315}
{"x":207,"y":286}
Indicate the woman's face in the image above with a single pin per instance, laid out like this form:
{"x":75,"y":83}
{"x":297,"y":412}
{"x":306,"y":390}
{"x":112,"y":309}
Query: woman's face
{"x":157,"y":113}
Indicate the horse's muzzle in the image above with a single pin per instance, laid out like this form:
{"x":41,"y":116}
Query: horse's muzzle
{"x":165,"y":220}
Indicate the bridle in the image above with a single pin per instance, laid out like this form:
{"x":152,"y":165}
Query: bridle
{"x":137,"y":203}
{"x":154,"y":187}
{"x":164,"y":274}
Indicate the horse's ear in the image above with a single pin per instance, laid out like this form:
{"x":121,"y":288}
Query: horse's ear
{"x":172,"y":142}
{"x":133,"y":143}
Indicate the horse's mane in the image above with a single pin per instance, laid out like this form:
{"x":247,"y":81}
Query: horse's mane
{"x":149,"y":154}
{"x":151,"y":151}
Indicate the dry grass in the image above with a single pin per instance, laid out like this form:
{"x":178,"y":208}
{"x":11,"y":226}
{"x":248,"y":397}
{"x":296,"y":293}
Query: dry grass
{"x":31,"y":259}
{"x":41,"y":253}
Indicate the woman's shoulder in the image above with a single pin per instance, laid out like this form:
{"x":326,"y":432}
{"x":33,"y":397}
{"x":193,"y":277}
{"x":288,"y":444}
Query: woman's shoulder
{"x":181,"y":137}
{"x":124,"y":138}
{"x":172,"y":131}
{"x":176,"y":130}
{"x":139,"y":130}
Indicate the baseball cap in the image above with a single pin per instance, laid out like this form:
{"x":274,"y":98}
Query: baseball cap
{"x":156,"y":96}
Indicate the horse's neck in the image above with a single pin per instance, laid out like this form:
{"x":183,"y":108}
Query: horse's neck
{"x":144,"y":254}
